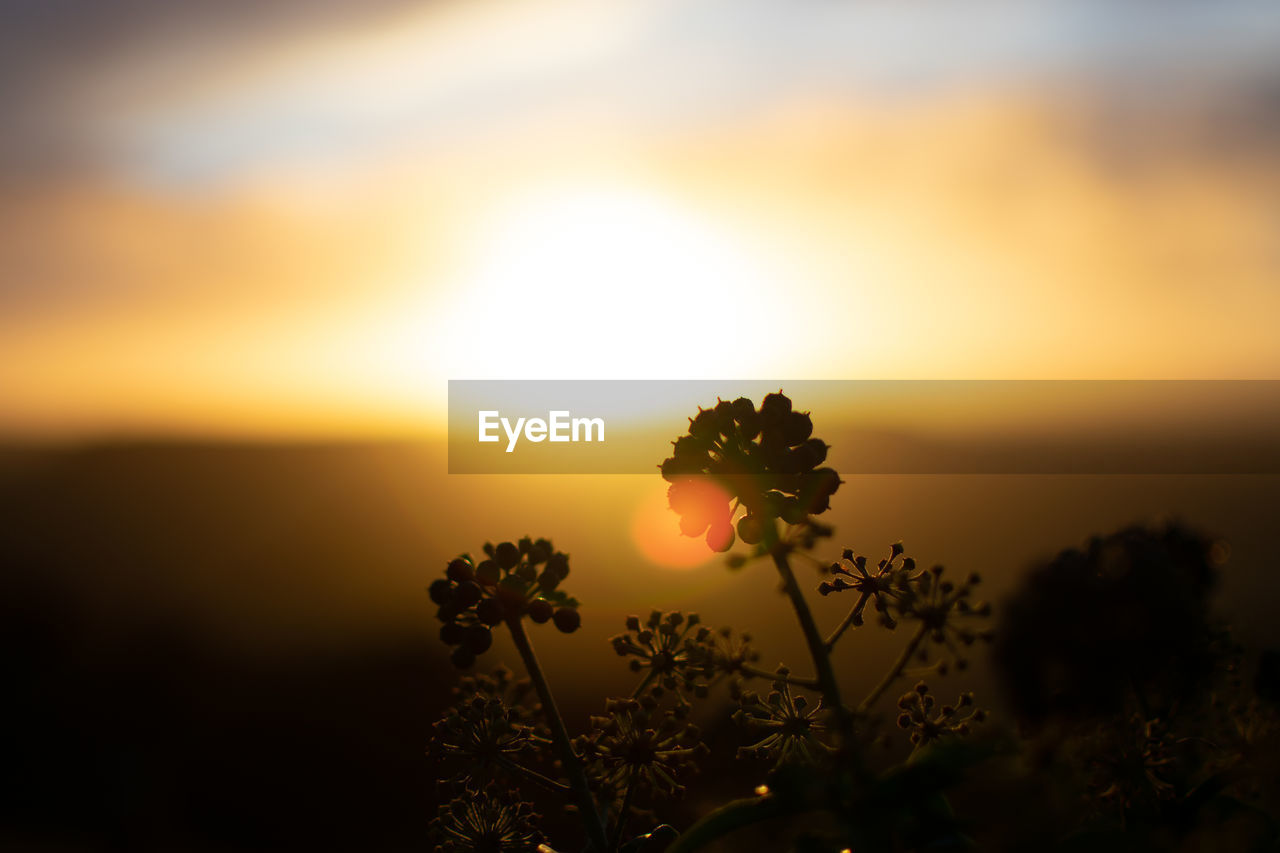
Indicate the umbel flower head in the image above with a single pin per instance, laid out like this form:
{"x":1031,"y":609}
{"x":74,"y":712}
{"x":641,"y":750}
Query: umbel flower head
{"x":677,"y":650}
{"x":880,"y":586}
{"x":733,"y":655}
{"x":764,"y":459}
{"x":927,"y":721}
{"x":945,"y":610}
{"x":489,"y":723}
{"x":515,"y":580}
{"x":639,"y":744}
{"x":489,"y":820}
{"x":793,"y":728}
{"x":1135,"y":763}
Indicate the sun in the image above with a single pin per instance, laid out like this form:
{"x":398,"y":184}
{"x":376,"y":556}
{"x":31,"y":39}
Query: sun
{"x":605,"y":283}
{"x":575,"y":281}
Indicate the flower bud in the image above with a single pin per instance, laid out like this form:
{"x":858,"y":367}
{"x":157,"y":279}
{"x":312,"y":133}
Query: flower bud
{"x":540,"y":610}
{"x":797,"y":428}
{"x":488,"y":572}
{"x":459,"y":570}
{"x":751,"y":529}
{"x":793,"y":512}
{"x":466,"y":594}
{"x":441,"y":591}
{"x":703,"y":425}
{"x":720,"y":537}
{"x":558,"y":564}
{"x":724,"y":417}
{"x":478,"y":639}
{"x":507,"y":555}
{"x":775,"y":408}
{"x":490,"y":611}
{"x":567,"y":619}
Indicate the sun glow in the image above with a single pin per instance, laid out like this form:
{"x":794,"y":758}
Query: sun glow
{"x":603,"y":283}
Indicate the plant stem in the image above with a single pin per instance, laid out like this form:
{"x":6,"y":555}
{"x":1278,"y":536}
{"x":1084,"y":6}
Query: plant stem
{"x":622,"y":817}
{"x":648,"y":677}
{"x":533,"y":775}
{"x":842,"y":627}
{"x":895,"y":671}
{"x":798,"y":681}
{"x":827,"y":684}
{"x":572,"y":766}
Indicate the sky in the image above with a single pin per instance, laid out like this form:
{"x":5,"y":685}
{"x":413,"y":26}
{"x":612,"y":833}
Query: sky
{"x":295,"y":218}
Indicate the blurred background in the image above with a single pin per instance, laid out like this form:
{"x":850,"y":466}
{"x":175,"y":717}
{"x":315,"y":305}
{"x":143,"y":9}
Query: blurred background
{"x":244,"y":245}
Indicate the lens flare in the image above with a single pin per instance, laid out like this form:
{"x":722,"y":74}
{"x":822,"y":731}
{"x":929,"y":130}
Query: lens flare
{"x":655,"y":530}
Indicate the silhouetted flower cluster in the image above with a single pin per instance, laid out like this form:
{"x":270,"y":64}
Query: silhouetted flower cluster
{"x":945,"y":611}
{"x":763,"y":469}
{"x":927,"y":721}
{"x":516,"y":580}
{"x":489,"y":725}
{"x":765,"y":459}
{"x":898,"y":591}
{"x":639,"y":745}
{"x":793,"y":728}
{"x":733,"y":655}
{"x":486,"y":821}
{"x":677,"y":651}
{"x":882,"y":586}
{"x":1137,"y":765}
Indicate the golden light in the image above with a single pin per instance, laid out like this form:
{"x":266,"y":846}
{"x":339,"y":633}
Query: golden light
{"x":601,"y":282}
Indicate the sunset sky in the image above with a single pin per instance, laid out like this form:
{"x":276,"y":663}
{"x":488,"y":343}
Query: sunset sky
{"x":292,"y":218}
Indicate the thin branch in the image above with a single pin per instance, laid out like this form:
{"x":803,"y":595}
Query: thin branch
{"x":827,"y":683}
{"x":644,"y":683}
{"x":812,"y":559}
{"x":560,"y":735}
{"x":843,"y":626}
{"x":533,"y":776}
{"x":622,"y":816}
{"x":796,"y":680}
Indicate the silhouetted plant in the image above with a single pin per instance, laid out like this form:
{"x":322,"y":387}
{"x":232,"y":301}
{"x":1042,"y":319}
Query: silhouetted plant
{"x":490,"y":729}
{"x":793,"y":728}
{"x":740,"y":473}
{"x":926,"y":721}
{"x":1128,"y":616}
{"x":674,"y":651}
{"x":1121,"y":677}
{"x":638,"y":748}
{"x":488,"y":819}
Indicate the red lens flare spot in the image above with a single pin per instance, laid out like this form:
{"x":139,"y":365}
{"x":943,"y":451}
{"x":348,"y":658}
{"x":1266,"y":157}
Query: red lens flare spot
{"x":655,"y":528}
